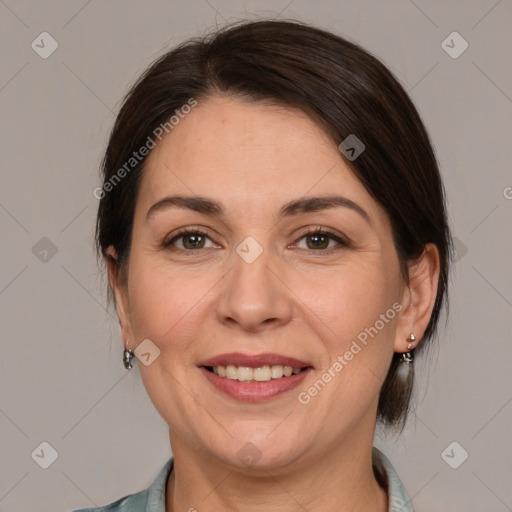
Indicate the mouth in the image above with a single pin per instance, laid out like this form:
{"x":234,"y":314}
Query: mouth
{"x":260,"y":374}
{"x":254,"y":378}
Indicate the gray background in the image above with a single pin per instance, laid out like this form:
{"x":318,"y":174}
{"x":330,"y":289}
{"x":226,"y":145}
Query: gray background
{"x":61,"y":376}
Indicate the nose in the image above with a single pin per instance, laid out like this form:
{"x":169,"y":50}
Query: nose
{"x":253,"y":296}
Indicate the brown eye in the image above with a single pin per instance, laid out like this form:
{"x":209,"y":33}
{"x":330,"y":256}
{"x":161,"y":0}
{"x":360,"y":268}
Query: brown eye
{"x":193,"y":241}
{"x":318,"y":241}
{"x":187,"y":240}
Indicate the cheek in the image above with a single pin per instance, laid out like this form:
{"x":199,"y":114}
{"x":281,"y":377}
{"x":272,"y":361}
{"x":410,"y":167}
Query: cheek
{"x":355,"y":316}
{"x":351,"y":299}
{"x":154,"y":303}
{"x":165,"y":302}
{"x":360,"y":345}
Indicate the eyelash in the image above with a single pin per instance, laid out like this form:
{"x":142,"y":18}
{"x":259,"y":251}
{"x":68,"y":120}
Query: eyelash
{"x":319,"y":230}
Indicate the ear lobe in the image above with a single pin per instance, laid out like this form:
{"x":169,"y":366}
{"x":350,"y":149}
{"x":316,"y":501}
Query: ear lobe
{"x":119,"y":291}
{"x":419,"y":298}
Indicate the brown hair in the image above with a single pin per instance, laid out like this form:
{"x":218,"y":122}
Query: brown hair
{"x":343,"y":88}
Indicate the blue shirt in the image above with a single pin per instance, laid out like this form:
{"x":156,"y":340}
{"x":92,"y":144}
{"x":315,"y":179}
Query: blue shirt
{"x":152,"y":499}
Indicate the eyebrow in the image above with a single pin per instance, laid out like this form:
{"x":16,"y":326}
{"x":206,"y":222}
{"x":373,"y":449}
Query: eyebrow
{"x":213,"y":208}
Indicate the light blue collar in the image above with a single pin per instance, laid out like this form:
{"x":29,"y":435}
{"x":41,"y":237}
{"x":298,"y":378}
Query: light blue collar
{"x":152,"y":499}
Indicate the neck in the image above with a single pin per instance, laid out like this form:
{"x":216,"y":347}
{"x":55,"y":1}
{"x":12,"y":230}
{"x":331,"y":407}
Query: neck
{"x":340,"y":480}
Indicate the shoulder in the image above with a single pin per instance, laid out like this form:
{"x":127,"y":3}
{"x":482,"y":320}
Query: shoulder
{"x":388,"y":478}
{"x":126,"y":504}
{"x":151,"y":499}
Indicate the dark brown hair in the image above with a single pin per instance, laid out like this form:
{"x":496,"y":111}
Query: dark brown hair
{"x":338,"y":84}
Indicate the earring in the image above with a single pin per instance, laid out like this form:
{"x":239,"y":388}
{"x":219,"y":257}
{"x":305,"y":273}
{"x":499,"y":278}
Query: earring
{"x":408,"y":357}
{"x":127,"y":356}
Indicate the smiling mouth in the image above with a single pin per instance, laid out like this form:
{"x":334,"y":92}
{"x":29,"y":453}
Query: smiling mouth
{"x":260,"y":374}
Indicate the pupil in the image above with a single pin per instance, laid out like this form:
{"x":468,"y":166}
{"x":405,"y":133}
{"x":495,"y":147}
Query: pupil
{"x":196,"y":240}
{"x":317,"y":238}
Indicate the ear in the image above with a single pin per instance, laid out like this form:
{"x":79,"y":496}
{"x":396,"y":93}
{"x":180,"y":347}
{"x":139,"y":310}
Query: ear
{"x":119,"y":289}
{"x":418,"y":298}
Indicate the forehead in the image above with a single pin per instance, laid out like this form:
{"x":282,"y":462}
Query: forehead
{"x":249,"y":155}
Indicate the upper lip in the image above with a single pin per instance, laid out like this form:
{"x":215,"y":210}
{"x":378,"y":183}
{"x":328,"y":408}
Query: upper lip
{"x":254,"y":361}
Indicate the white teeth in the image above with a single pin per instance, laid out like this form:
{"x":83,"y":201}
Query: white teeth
{"x":276,"y":371}
{"x":261,"y":374}
{"x":244,"y":373}
{"x":232,"y":372}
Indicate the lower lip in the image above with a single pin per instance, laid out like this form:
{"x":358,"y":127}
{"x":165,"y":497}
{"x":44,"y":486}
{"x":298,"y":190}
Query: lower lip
{"x":255,"y":391}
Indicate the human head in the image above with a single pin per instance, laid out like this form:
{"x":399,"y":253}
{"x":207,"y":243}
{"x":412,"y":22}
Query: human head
{"x":339,"y":86}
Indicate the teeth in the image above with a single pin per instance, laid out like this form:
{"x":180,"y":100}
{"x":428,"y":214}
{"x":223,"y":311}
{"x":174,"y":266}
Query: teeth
{"x":244,"y":373}
{"x":261,"y":374}
{"x":232,"y":372}
{"x":276,"y":372}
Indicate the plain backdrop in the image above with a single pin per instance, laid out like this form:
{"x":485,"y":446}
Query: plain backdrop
{"x":62,"y":381}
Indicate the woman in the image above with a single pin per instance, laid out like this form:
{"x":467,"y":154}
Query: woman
{"x":273,"y":223}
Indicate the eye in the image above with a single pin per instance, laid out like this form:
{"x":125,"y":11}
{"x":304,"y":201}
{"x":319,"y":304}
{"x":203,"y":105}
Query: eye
{"x":322,"y":240}
{"x":188,"y":239}
{"x":317,"y":239}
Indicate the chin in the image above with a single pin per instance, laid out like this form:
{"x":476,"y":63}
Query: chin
{"x":261,"y":449}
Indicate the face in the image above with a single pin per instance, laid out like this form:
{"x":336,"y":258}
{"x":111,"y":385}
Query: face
{"x":264,"y":277}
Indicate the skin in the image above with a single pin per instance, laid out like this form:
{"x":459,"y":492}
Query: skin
{"x":295,"y":299}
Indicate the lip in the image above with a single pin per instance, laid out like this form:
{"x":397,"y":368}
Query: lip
{"x":254,"y":391}
{"x":254,"y":361}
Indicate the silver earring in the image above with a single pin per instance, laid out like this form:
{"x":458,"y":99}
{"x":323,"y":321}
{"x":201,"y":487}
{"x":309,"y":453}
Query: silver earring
{"x":411,"y":338}
{"x":408,"y":357}
{"x":127,"y":356}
